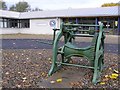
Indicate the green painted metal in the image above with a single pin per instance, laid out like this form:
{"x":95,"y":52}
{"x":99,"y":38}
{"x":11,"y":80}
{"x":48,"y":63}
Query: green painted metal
{"x":94,"y":53}
{"x":75,"y":65}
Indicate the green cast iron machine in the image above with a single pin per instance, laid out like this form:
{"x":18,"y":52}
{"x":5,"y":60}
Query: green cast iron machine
{"x":94,"y":52}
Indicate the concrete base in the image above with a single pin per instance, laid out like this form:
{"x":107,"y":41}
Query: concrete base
{"x":67,"y":76}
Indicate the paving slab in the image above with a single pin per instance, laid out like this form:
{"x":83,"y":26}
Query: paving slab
{"x":67,"y":77}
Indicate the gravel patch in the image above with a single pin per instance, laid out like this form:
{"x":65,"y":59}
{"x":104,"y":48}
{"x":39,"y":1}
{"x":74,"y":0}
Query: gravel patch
{"x":24,"y":69}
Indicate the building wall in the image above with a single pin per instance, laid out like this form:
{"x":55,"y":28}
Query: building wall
{"x":9,"y":30}
{"x":37,"y":26}
{"x":41,"y":26}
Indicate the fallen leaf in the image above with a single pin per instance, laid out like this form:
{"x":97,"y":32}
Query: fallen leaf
{"x":59,"y":80}
{"x":49,"y":58}
{"x":43,"y":73}
{"x":13,"y":54}
{"x":110,"y":68}
{"x":18,"y":86}
{"x":52,"y":82}
{"x":114,"y":76}
{"x":106,"y":76}
{"x":7,"y":73}
{"x":16,"y":56}
{"x":24,"y":78}
{"x":36,"y":65}
{"x":102,"y":83}
{"x":19,"y":72}
{"x":115,"y":71}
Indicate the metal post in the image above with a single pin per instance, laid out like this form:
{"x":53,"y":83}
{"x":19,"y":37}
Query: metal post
{"x":96,"y":23}
{"x":108,"y":25}
{"x":76,"y":20}
{"x":118,"y":25}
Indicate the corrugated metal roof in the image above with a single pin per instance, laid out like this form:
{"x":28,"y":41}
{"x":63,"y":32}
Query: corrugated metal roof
{"x":101,"y":11}
{"x":82,"y":12}
{"x":9,"y":14}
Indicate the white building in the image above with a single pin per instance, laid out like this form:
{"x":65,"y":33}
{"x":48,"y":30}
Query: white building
{"x":42,"y":22}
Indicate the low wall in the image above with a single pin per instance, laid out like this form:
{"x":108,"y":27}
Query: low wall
{"x":9,"y":31}
{"x":24,"y":31}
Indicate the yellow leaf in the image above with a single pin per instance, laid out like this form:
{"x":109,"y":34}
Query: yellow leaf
{"x":102,"y":83}
{"x":115,"y":75}
{"x":59,"y":80}
{"x":112,"y":77}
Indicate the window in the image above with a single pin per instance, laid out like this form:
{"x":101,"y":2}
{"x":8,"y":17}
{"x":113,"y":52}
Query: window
{"x":1,"y":23}
{"x":81,"y":20}
{"x":109,"y":22}
{"x":24,"y":23}
{"x":13,"y":23}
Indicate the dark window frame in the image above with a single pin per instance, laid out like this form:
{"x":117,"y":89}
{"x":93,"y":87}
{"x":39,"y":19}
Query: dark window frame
{"x":15,"y":23}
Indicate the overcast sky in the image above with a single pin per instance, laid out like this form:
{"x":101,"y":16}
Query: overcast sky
{"x":62,"y":4}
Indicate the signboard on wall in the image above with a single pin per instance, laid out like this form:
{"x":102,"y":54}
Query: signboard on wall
{"x":52,"y":23}
{"x":41,"y":24}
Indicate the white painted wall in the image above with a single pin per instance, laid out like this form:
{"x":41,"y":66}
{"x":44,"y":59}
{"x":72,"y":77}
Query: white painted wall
{"x":9,"y":30}
{"x":37,"y":26}
{"x":40,"y":26}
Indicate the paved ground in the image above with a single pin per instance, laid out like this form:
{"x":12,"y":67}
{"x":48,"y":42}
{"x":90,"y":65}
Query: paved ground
{"x":36,"y":44}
